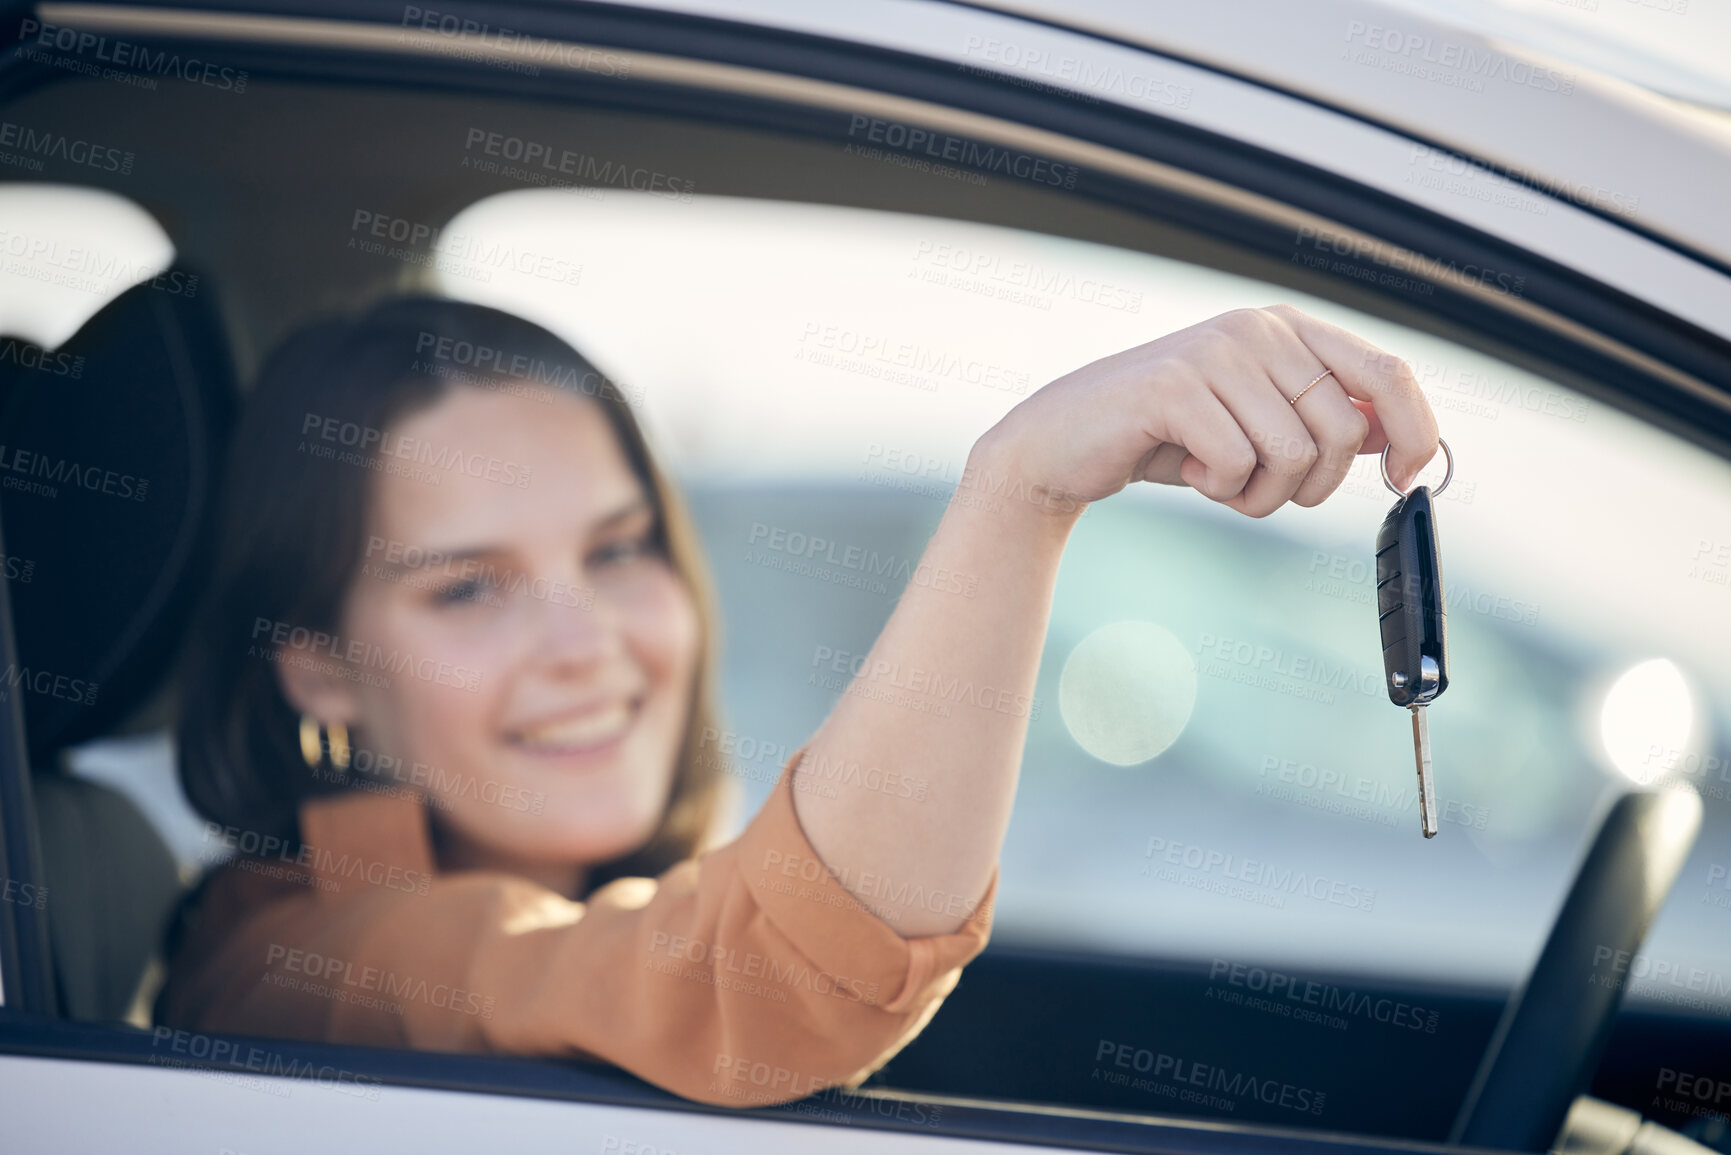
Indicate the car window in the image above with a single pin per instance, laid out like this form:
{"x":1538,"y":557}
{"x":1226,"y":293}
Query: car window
{"x":1213,"y":768}
{"x":1213,"y":775}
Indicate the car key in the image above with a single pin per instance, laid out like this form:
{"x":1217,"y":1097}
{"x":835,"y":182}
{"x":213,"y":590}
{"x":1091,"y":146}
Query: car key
{"x":1413,"y":616}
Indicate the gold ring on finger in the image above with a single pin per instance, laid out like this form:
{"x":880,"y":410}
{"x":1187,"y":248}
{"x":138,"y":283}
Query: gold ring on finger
{"x":1313,"y":381}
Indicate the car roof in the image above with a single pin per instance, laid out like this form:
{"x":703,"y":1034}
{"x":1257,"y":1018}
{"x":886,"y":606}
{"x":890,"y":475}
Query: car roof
{"x":1665,"y":162}
{"x":1672,"y":159}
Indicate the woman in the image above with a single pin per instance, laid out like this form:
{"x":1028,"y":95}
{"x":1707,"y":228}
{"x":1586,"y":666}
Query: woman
{"x":447,"y":694}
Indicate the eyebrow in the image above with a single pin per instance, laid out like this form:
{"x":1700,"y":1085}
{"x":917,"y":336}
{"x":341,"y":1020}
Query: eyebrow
{"x":428,"y":557}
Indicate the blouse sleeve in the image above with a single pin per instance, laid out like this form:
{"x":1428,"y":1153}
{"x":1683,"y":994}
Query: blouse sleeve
{"x":745,"y":977}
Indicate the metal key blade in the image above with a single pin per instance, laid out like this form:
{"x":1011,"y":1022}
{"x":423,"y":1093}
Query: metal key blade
{"x":1426,"y":791}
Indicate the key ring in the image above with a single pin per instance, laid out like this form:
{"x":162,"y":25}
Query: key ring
{"x":1449,"y":457}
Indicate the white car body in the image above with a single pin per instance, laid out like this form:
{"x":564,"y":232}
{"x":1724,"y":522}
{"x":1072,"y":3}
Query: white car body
{"x":1641,"y":204}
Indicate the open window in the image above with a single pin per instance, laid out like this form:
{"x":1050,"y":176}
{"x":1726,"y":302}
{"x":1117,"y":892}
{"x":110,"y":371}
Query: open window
{"x":819,"y":274}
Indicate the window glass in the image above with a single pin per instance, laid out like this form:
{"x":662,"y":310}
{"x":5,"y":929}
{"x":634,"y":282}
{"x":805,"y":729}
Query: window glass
{"x":1213,"y":768}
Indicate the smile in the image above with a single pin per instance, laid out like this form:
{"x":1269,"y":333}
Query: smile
{"x":582,"y":733}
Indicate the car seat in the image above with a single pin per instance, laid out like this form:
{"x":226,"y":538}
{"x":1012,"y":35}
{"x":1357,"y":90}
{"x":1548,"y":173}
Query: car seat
{"x":109,"y":452}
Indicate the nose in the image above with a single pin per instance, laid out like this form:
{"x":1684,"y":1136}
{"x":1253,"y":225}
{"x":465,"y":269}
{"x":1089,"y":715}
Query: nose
{"x":576,"y":630}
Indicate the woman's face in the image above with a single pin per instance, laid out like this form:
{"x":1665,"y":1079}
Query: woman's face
{"x":540,"y":653}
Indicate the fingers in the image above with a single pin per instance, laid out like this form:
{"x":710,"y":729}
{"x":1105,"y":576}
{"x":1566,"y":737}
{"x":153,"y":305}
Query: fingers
{"x":1306,"y":447}
{"x":1285,"y":451}
{"x":1250,"y":445}
{"x":1401,"y":413}
{"x":1339,"y":429}
{"x":1220,"y":458}
{"x":1337,"y":426}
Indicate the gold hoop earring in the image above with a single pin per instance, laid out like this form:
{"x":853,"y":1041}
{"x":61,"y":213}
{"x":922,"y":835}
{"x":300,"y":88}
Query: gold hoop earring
{"x":339,"y":745}
{"x":311,"y":747}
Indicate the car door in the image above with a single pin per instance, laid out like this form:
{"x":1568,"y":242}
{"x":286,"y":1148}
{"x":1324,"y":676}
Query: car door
{"x":822,"y":251}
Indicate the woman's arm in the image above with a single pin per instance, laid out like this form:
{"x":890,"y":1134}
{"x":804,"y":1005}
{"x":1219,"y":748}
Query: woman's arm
{"x":944,"y":693}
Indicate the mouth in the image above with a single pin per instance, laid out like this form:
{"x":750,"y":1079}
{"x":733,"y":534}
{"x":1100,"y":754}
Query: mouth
{"x":587,"y":732}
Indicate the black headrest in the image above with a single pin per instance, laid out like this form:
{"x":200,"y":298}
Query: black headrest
{"x":109,"y":453}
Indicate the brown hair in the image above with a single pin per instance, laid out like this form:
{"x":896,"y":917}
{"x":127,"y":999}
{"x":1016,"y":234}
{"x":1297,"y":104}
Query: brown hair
{"x":292,"y":537}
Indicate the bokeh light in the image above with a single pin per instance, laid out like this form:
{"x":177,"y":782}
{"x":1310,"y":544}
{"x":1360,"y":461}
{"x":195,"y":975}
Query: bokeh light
{"x":1126,"y":691}
{"x":1647,"y":713}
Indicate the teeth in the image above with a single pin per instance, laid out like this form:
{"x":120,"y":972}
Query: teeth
{"x":589,"y":730}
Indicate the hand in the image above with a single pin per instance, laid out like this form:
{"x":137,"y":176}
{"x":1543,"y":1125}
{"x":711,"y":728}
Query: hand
{"x":1209,"y":407}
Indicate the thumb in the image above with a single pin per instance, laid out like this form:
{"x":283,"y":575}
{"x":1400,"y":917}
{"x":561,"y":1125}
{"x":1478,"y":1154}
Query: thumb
{"x":1376,"y":440}
{"x":1195,"y":474}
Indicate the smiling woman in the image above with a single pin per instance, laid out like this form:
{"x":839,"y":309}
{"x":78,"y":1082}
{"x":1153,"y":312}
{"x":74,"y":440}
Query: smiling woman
{"x":363,"y":588}
{"x":445,"y":700}
{"x":483,"y":576}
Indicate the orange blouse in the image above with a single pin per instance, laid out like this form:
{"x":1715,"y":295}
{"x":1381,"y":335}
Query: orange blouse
{"x":746,"y":976}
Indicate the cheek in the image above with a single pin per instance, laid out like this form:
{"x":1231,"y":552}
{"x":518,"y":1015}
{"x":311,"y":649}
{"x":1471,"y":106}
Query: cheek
{"x":417,"y":704}
{"x":659,"y":621}
{"x":442,"y":730}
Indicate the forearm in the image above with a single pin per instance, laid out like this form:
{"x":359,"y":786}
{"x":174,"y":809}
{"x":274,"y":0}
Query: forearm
{"x":1200,"y":407}
{"x":943,"y":697}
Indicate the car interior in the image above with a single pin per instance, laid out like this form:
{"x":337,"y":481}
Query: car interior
{"x":260,"y":192}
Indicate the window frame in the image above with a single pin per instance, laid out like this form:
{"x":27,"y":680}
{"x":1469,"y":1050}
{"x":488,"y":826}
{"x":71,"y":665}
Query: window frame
{"x":1587,"y":334}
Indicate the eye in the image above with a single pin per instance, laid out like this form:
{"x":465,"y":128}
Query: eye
{"x":628,"y":549}
{"x":461,"y":593}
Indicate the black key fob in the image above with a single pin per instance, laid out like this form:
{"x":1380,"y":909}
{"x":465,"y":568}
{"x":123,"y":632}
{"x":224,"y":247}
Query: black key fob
{"x":1409,"y":601}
